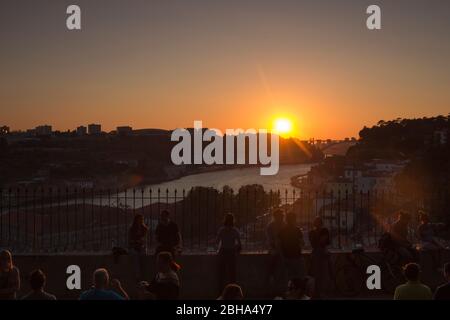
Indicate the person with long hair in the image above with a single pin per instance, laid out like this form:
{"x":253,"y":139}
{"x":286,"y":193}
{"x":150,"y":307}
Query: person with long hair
{"x":399,"y":233}
{"x":229,"y":242}
{"x":9,"y":277}
{"x":166,"y":283}
{"x":137,"y":236}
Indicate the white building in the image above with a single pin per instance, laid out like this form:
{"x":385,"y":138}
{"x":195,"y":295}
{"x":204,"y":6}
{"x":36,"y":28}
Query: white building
{"x":441,"y":136}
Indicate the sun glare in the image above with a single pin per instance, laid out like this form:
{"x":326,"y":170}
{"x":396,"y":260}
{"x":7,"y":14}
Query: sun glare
{"x":282,"y":126}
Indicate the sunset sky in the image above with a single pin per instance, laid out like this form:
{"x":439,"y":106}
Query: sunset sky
{"x":231,"y":64}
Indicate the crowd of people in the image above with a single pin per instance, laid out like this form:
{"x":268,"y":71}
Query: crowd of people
{"x":285,"y":240}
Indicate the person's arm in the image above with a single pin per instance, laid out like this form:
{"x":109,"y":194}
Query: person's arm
{"x":15,"y":283}
{"x":218,"y":237}
{"x":144,"y":231}
{"x":238,"y":241}
{"x":117,"y":286}
{"x":302,"y":241}
{"x":311,"y":236}
{"x":178,"y":236}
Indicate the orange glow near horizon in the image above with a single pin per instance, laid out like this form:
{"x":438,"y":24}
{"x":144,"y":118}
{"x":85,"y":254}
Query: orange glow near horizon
{"x":165,"y":64}
{"x":283,"y":127}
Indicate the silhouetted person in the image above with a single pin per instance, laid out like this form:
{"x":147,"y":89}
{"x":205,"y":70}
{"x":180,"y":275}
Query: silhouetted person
{"x":319,"y":238}
{"x":37,"y":284}
{"x":443,"y":291}
{"x":297,"y":289}
{"x":167,"y":235}
{"x":272,"y":231}
{"x":166,"y":283}
{"x":427,"y":237}
{"x":413,"y":289}
{"x":9,"y":277}
{"x":229,"y":242}
{"x":291,"y":243}
{"x":399,"y":234}
{"x":231,"y":292}
{"x":101,"y":289}
{"x":137,"y":236}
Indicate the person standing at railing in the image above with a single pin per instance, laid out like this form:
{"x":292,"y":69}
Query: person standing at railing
{"x":319,"y":237}
{"x":137,"y":235}
{"x":9,"y":277}
{"x":427,"y":237}
{"x":272,"y":231}
{"x":399,"y":235}
{"x":167,"y":235}
{"x":229,"y":242}
{"x":291,"y":243}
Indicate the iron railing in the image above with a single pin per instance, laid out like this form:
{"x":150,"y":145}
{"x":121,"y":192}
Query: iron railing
{"x":54,"y":220}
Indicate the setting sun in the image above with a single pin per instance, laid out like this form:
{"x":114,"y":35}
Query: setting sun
{"x":282,"y":126}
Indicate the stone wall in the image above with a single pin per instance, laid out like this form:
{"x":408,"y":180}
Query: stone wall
{"x":199,"y":273}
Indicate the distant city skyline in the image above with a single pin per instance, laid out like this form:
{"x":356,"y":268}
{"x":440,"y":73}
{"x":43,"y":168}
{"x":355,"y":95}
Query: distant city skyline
{"x":232,"y":64}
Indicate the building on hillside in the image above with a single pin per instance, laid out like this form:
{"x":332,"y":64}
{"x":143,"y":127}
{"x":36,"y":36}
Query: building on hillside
{"x":124,"y":130}
{"x":441,"y":136}
{"x":81,"y":131}
{"x":44,"y":130}
{"x":339,"y":186}
{"x":94,"y":129}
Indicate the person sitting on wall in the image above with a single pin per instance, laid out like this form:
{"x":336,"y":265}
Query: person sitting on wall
{"x":167,"y":235}
{"x":37,"y":284}
{"x":101,"y":288}
{"x":166,"y":283}
{"x":137,"y":235}
{"x":9,"y":277}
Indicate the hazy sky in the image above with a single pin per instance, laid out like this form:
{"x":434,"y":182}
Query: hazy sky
{"x":229,"y":63}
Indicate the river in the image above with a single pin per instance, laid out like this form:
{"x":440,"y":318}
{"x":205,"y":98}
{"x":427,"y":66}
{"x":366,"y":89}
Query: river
{"x":235,"y":178}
